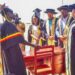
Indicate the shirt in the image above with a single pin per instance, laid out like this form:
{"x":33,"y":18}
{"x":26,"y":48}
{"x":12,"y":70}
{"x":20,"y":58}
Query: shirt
{"x":62,"y":23}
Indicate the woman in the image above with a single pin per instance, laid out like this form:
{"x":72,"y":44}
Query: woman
{"x":34,"y":32}
{"x":34,"y":29}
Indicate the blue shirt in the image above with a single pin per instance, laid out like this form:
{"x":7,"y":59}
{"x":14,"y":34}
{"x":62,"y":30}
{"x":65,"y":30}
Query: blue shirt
{"x":50,"y":23}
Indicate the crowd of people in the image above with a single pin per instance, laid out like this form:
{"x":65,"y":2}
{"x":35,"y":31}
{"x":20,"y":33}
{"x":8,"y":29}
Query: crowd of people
{"x":53,"y":31}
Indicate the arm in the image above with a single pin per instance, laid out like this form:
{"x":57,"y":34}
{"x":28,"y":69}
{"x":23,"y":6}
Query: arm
{"x":27,"y":43}
{"x":57,"y":30}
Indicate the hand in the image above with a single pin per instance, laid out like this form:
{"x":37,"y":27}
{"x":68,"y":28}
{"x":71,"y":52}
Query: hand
{"x":51,"y":37}
{"x":42,"y":39}
{"x":62,"y":38}
{"x":34,"y":37}
{"x":65,"y":37}
{"x":37,"y":47}
{"x":23,"y":53}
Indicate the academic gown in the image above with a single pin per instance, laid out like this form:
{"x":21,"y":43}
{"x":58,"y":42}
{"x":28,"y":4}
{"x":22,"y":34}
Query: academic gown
{"x":12,"y":50}
{"x":44,"y":31}
{"x":70,"y":52}
{"x":73,"y":52}
{"x":51,"y":27}
{"x":43,"y":34}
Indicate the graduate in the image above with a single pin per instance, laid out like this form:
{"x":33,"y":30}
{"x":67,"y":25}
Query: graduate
{"x":21,"y":28}
{"x":51,"y":26}
{"x":70,"y":63}
{"x":10,"y":40}
{"x":42,"y":22}
{"x":34,"y":33}
{"x":62,"y":24}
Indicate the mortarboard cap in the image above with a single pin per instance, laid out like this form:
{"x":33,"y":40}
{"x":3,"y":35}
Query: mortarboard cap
{"x":37,"y":10}
{"x":64,"y":7}
{"x":71,"y":7}
{"x":51,"y":11}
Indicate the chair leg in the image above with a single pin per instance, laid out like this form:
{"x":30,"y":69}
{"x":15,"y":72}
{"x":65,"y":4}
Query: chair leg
{"x":28,"y":73}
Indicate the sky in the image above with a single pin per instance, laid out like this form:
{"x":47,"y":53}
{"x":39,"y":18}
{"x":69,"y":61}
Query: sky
{"x":25,"y":7}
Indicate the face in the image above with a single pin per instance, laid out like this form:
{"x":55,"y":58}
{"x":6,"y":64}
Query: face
{"x":35,"y":20}
{"x":38,"y":14}
{"x":10,"y":15}
{"x":73,"y":13}
{"x":64,"y":13}
{"x":50,"y":15}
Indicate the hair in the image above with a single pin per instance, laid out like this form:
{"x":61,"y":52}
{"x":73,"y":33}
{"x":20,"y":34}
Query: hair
{"x":22,"y":26}
{"x":37,"y":18}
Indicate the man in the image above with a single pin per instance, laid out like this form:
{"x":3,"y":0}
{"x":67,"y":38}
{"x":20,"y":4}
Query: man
{"x":71,"y":44}
{"x":10,"y":40}
{"x":50,"y":26}
{"x":62,"y":24}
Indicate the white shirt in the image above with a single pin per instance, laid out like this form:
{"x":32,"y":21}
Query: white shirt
{"x":62,"y":23}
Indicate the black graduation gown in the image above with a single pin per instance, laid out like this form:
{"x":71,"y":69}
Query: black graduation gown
{"x":43,"y":34}
{"x":29,"y":34}
{"x":12,"y":50}
{"x":73,"y":52}
{"x":44,"y":31}
{"x":71,"y":20}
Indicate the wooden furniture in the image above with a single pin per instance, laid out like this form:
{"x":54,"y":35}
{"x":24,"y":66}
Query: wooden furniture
{"x":59,"y":60}
{"x":39,"y":55}
{"x":46,"y":60}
